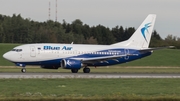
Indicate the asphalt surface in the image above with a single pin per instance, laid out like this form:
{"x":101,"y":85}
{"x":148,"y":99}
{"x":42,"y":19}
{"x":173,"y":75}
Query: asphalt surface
{"x":88,"y":75}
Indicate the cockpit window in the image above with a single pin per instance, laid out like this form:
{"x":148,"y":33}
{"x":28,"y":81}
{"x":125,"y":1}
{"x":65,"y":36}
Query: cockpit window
{"x":17,"y":50}
{"x":13,"y":50}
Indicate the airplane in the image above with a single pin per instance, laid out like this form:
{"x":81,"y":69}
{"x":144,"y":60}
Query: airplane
{"x":77,"y":56}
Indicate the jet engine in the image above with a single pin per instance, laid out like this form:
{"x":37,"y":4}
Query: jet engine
{"x":49,"y":67}
{"x":71,"y":64}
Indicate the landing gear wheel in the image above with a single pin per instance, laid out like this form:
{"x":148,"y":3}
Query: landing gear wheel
{"x":86,"y":70}
{"x":23,"y":70}
{"x":74,"y":70}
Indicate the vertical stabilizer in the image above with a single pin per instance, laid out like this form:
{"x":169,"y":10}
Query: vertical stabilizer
{"x":142,"y":36}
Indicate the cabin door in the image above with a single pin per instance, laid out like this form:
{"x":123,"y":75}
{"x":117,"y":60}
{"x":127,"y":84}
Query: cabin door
{"x":32,"y":51}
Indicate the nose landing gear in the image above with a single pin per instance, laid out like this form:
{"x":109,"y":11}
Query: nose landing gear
{"x":23,"y":70}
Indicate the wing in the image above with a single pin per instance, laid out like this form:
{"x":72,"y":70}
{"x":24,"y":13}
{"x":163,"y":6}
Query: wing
{"x":103,"y":59}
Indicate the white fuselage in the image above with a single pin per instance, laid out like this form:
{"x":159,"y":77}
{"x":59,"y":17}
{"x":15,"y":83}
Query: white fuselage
{"x":42,"y":52}
{"x":75,"y":56}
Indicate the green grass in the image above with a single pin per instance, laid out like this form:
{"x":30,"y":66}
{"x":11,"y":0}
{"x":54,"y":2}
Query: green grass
{"x":90,"y":88}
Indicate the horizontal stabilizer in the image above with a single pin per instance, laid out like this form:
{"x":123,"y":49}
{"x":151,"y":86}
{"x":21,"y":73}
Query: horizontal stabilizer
{"x":157,"y":48}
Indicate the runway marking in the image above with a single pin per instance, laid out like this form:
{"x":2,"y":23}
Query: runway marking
{"x":86,"y":75}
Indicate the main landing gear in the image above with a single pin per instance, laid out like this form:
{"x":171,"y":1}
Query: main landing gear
{"x":85,"y":70}
{"x":74,"y":70}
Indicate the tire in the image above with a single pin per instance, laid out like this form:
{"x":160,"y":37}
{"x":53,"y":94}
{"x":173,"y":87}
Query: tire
{"x":74,"y":70}
{"x":86,"y":70}
{"x":23,"y":70}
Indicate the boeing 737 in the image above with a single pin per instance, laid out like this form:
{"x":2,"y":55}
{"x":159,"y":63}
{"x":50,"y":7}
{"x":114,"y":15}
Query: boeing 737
{"x":77,"y":56}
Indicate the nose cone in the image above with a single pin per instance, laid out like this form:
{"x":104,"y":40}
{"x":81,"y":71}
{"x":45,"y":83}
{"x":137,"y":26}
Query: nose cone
{"x":11,"y":56}
{"x":7,"y":56}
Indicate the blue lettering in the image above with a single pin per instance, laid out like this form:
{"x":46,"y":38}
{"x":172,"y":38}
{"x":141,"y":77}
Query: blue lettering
{"x":66,"y":48}
{"x":57,"y":48}
{"x":46,"y":47}
{"x":51,"y":48}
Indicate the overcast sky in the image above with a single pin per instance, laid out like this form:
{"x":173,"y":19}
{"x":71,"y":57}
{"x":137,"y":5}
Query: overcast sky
{"x":109,"y":13}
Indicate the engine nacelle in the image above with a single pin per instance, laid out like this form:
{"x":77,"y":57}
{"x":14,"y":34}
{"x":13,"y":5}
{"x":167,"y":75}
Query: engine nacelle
{"x":49,"y":67}
{"x":71,"y":64}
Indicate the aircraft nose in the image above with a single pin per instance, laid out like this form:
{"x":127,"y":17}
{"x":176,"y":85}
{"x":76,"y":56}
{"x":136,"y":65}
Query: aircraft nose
{"x":6,"y":56}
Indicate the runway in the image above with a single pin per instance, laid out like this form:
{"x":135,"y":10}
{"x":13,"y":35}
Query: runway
{"x":87,"y":75}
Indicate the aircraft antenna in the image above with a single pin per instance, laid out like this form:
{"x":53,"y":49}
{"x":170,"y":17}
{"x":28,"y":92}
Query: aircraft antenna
{"x":56,"y":10}
{"x":49,"y":10}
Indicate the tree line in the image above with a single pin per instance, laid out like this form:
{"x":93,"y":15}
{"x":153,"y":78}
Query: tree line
{"x":16,"y":29}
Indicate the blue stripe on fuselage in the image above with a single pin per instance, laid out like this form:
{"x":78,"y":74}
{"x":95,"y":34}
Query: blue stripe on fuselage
{"x":108,"y":62}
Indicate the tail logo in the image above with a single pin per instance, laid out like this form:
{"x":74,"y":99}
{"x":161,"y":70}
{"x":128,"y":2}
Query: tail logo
{"x":145,"y":29}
